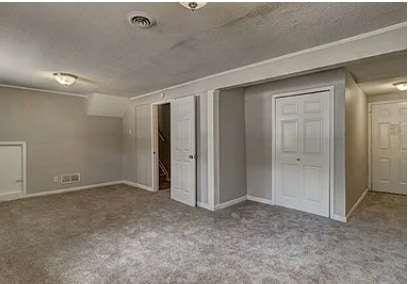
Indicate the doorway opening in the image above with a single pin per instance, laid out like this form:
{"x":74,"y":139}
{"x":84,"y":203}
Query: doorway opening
{"x":163,"y":146}
{"x":173,"y":138}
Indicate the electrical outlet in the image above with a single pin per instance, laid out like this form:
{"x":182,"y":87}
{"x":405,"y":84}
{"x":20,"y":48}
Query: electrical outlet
{"x":56,"y":179}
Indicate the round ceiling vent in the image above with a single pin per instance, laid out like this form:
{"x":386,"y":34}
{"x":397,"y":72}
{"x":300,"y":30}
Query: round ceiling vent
{"x":141,"y":19}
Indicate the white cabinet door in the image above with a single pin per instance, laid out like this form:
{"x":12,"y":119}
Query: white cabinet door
{"x":183,"y":151}
{"x":11,"y":169}
{"x":302,"y":153}
{"x":389,"y":148}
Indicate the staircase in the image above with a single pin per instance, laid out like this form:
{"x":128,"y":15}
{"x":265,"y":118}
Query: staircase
{"x":163,"y":168}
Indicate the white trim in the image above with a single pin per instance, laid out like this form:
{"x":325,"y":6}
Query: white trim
{"x":331,"y":154}
{"x":212,"y":128}
{"x":329,"y":89}
{"x":366,"y":39}
{"x":359,"y":200}
{"x":260,"y":200}
{"x":369,"y":130}
{"x":370,"y":138}
{"x":164,"y":101}
{"x":7,"y":196}
{"x":138,"y":185}
{"x":273,"y":166}
{"x":57,"y":191}
{"x":23,"y":146}
{"x":339,"y":218}
{"x":269,"y":202}
{"x":230,"y":202}
{"x":154,"y":146}
{"x":204,"y":205}
{"x":44,"y":91}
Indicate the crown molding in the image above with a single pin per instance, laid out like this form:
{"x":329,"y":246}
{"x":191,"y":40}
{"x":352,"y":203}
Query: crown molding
{"x":44,"y":91}
{"x":363,"y":38}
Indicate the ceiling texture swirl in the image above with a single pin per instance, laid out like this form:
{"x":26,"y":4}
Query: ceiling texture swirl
{"x":95,"y":41}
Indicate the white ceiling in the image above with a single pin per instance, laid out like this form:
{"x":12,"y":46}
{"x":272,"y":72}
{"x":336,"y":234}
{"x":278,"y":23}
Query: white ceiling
{"x":382,"y":86}
{"x":376,"y":76}
{"x":95,"y":41}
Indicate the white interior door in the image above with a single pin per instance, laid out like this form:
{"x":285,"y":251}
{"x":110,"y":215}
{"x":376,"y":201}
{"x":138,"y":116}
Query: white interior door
{"x":11,"y":169}
{"x":302,"y":153}
{"x":183,"y":151}
{"x":389,"y":147}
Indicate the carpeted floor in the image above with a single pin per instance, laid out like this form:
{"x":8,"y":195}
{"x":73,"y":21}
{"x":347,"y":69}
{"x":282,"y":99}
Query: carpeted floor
{"x":119,"y":234}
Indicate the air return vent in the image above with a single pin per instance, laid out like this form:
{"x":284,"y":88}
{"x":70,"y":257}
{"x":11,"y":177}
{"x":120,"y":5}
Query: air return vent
{"x":141,"y":19}
{"x":70,"y":178}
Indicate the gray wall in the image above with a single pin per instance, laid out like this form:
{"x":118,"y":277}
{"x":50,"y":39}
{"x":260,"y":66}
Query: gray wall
{"x":356,"y":142}
{"x":60,"y":138}
{"x":258,"y":119}
{"x":232,"y":165}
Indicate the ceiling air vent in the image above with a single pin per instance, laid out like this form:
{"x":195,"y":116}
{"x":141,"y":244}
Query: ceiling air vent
{"x":141,"y":19}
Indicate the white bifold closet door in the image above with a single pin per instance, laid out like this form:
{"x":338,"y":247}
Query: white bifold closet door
{"x":11,"y":169}
{"x":183,"y":150}
{"x":389,"y":147}
{"x":302,"y":152}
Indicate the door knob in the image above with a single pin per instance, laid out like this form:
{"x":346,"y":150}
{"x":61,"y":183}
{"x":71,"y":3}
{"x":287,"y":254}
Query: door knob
{"x":298,"y":159}
{"x":191,"y":156}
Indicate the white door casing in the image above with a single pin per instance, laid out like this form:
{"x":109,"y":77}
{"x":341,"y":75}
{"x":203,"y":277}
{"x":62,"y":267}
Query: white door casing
{"x":183,"y":150}
{"x":155,"y":147}
{"x":11,"y":169}
{"x":388,"y":147}
{"x":303,"y":152}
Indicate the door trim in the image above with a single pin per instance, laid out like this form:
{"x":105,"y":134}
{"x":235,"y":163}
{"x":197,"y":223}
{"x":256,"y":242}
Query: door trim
{"x":213,"y":148}
{"x":23,"y":146}
{"x":329,"y":89}
{"x":370,"y":137}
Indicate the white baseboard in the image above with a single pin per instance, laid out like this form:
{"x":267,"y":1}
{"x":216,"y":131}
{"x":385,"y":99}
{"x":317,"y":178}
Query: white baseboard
{"x":13,"y":196}
{"x":230,"y":202}
{"x":339,"y":218}
{"x":260,"y":200}
{"x":204,"y":205}
{"x":138,"y":185}
{"x":10,"y":196}
{"x":361,"y":198}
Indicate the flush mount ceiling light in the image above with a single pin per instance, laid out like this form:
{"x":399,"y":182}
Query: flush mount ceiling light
{"x":141,"y":19}
{"x":193,"y":5}
{"x":65,"y":79}
{"x":402,"y":86}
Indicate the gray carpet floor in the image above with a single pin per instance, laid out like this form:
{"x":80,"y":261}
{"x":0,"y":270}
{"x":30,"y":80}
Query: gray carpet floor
{"x":119,"y":234}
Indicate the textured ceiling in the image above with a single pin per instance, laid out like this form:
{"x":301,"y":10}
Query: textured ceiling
{"x":382,"y":86}
{"x":376,"y":75}
{"x":96,"y":42}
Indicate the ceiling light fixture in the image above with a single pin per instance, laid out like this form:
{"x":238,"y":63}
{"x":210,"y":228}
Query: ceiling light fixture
{"x":65,"y":79}
{"x":402,"y":86}
{"x":193,"y":5}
